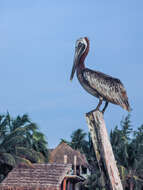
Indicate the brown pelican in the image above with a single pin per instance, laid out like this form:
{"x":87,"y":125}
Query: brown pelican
{"x":100,"y":85}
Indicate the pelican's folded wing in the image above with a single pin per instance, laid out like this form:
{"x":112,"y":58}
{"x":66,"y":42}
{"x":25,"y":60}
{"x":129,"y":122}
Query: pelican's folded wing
{"x":111,"y":89}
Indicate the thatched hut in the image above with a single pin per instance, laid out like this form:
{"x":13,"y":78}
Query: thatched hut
{"x":40,"y":177}
{"x":64,"y":154}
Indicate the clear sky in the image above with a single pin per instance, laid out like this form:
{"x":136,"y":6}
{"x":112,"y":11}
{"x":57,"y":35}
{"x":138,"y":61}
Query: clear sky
{"x":37,"y":41}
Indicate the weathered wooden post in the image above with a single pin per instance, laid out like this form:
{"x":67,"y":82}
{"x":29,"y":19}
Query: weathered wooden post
{"x":103,"y":149}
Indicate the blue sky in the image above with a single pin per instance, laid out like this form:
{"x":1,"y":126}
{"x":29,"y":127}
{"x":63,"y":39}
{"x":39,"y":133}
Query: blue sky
{"x":37,"y":40}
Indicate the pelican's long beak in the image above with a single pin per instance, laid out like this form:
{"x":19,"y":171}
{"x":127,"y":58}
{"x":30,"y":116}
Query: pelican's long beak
{"x":74,"y":65}
{"x":78,"y":53}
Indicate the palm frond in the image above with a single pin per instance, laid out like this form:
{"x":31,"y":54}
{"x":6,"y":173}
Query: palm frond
{"x":21,"y":131}
{"x":14,"y":141}
{"x":29,"y":154}
{"x":20,"y":160}
{"x":6,"y":158}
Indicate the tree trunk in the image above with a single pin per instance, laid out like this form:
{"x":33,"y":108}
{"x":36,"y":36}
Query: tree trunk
{"x":103,"y":149}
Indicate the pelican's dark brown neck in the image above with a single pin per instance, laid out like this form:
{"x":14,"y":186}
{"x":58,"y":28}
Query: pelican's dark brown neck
{"x":81,"y":65}
{"x":81,"y":62}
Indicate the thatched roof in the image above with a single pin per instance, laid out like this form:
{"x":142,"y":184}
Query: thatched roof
{"x":57,"y":155}
{"x":38,"y":177}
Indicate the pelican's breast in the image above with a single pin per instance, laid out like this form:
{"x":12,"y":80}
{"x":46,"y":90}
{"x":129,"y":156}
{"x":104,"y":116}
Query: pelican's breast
{"x":85,"y":84}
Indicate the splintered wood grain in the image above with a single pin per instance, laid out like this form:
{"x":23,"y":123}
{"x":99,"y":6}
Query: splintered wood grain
{"x":101,"y":142}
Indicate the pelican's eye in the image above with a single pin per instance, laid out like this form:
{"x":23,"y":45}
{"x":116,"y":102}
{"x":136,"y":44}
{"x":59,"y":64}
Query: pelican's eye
{"x":79,"y":44}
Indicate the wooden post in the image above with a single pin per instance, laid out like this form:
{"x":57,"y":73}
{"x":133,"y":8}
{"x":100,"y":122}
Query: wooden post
{"x":103,"y":149}
{"x":75,"y":163}
{"x":65,"y":159}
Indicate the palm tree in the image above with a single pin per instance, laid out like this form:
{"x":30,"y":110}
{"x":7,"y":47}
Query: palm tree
{"x":20,"y":141}
{"x":128,"y":152}
{"x":78,"y":141}
{"x":39,"y":144}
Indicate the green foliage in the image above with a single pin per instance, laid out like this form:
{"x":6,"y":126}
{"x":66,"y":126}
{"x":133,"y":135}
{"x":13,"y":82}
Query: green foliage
{"x":126,"y":128}
{"x":20,"y":141}
{"x":96,"y":181}
{"x":78,"y":141}
{"x":7,"y":158}
{"x":128,"y":150}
